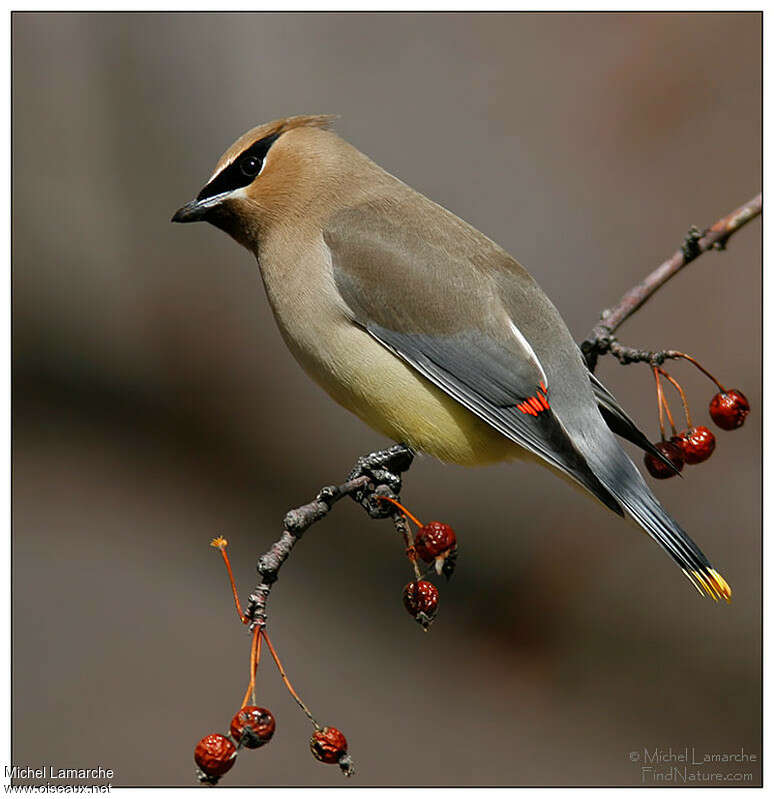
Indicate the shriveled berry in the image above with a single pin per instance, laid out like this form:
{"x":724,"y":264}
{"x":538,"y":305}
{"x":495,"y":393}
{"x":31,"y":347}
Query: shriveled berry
{"x":256,"y":724}
{"x":420,"y":599}
{"x":729,"y":409}
{"x":434,"y":539}
{"x":659,"y":469}
{"x":698,"y":444}
{"x":328,"y":745}
{"x":215,"y":754}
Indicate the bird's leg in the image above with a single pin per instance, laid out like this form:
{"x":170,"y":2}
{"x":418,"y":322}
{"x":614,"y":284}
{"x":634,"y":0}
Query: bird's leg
{"x":383,"y":470}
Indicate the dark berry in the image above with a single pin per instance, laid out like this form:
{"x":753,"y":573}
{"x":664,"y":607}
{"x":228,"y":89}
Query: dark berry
{"x":256,"y":724}
{"x":698,"y":444}
{"x":434,"y":539}
{"x":421,"y":601}
{"x":729,"y":409}
{"x":328,"y":745}
{"x":215,"y":754}
{"x":660,"y":470}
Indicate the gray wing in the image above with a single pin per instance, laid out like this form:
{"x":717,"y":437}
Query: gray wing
{"x":435,"y":302}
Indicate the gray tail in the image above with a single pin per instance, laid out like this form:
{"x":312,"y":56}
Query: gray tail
{"x":622,"y":479}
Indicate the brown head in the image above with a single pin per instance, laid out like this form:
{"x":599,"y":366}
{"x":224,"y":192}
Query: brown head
{"x":272,"y":172}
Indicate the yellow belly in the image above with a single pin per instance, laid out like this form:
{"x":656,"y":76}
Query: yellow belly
{"x":394,"y":399}
{"x":416,"y":413}
{"x":362,"y":375}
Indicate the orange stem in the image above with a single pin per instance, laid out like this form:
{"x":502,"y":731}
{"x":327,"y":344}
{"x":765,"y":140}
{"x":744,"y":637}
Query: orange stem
{"x":659,"y":398}
{"x":241,"y":615}
{"x":255,"y":659}
{"x":669,"y":416}
{"x":407,"y":512}
{"x":682,"y":395}
{"x":287,"y":681}
{"x":701,"y":369}
{"x":663,"y":405}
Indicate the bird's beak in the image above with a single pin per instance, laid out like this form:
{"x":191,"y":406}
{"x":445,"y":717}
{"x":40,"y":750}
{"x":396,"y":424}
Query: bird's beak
{"x":198,"y":210}
{"x":190,"y":212}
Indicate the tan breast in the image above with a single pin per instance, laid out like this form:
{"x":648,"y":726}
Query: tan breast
{"x":357,"y":371}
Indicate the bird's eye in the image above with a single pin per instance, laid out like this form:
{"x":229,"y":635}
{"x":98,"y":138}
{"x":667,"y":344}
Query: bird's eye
{"x":242,"y":171}
{"x":250,"y":165}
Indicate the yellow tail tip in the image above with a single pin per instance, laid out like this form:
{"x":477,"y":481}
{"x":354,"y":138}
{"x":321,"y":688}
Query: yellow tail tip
{"x":711,"y":583}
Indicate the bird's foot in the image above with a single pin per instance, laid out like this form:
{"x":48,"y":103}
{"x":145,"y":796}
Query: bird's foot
{"x":384,"y":470}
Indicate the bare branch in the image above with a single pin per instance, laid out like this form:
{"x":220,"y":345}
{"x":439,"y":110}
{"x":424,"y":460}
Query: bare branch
{"x":601,"y":341}
{"x":377,"y":474}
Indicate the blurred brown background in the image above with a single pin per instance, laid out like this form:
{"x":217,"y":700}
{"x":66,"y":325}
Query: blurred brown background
{"x":156,"y":406}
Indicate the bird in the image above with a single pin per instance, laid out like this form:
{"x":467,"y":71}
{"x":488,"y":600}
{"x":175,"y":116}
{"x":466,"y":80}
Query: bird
{"x":422,"y":326}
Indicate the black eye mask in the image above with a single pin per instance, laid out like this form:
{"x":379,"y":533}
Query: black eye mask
{"x":241,"y":171}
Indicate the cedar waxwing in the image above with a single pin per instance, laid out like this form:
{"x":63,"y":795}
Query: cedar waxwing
{"x":419,"y":324}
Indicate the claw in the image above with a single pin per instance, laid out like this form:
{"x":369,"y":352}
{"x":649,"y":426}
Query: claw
{"x":384,"y":469}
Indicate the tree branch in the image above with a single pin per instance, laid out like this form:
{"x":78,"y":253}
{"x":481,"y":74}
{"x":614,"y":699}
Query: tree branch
{"x":375,"y":475}
{"x":601,"y":340}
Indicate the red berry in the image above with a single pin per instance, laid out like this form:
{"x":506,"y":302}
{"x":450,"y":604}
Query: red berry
{"x":328,"y":745}
{"x":215,"y":754}
{"x":698,"y":444}
{"x":729,"y":409}
{"x":434,"y":539}
{"x":255,"y":723}
{"x":660,"y":470}
{"x":421,"y":601}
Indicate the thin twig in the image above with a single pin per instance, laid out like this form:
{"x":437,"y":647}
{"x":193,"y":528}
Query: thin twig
{"x":297,"y":521}
{"x":287,"y":682}
{"x":375,"y":476}
{"x":403,"y":529}
{"x":601,"y":340}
